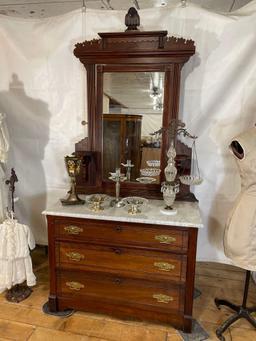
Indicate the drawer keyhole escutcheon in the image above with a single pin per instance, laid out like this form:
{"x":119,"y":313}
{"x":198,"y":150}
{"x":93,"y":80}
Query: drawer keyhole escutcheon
{"x":164,"y":266}
{"x":75,"y":285}
{"x":118,"y":229}
{"x":117,"y":251}
{"x":117,"y":281}
{"x":77,"y":257}
{"x":72,"y":229}
{"x":165,"y":239}
{"x":163,"y":298}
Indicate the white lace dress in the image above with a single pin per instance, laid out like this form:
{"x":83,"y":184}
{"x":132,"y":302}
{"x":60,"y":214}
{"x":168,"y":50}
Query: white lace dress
{"x":15,"y":262}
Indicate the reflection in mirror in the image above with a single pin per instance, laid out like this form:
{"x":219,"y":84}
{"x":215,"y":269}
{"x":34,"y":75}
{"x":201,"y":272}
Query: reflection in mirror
{"x":132,"y":111}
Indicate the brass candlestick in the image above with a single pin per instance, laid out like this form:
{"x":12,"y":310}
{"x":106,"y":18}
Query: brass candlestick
{"x":73,"y":165}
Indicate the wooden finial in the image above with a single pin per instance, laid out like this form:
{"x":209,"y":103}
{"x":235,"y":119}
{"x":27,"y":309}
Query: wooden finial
{"x":132,"y":19}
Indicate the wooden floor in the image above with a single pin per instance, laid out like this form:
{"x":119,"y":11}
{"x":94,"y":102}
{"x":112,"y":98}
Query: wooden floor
{"x":25,"y":320}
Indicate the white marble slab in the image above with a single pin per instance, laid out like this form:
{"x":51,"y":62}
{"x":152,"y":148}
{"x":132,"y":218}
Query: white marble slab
{"x":188,"y":213}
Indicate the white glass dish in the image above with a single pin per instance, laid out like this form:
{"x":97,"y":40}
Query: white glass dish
{"x":145,"y":180}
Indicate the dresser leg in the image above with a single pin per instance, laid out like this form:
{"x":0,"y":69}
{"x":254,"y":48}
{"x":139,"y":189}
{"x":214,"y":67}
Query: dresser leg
{"x":50,"y":308}
{"x":187,"y":328}
{"x":52,"y":303}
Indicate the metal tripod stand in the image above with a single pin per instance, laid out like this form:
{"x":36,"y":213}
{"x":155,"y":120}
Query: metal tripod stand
{"x":240,"y":311}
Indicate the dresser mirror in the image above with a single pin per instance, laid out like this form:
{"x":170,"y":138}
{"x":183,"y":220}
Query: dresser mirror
{"x":132,"y":112}
{"x":133,"y":90}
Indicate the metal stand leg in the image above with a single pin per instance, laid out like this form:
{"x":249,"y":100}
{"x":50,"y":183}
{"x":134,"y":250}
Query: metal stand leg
{"x":232,"y":306}
{"x":241,"y":311}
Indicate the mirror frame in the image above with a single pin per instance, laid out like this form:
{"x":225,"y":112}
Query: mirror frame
{"x":126,"y":52}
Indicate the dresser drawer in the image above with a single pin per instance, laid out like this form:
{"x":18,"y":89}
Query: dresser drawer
{"x":117,"y":288}
{"x":152,"y":236}
{"x":109,"y":258}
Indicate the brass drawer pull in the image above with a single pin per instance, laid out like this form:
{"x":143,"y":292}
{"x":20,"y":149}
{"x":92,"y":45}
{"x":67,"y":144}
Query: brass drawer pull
{"x":163,"y":298}
{"x":164,"y":266}
{"x":165,"y":239}
{"x":72,"y":229}
{"x":75,"y":285}
{"x":75,"y":256}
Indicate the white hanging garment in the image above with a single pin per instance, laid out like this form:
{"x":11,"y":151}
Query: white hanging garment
{"x":4,"y":148}
{"x":15,"y":261}
{"x":240,"y":232}
{"x":4,"y":139}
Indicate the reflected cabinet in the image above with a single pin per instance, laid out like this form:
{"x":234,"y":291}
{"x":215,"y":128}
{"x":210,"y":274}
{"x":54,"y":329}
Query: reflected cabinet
{"x":122,"y":133}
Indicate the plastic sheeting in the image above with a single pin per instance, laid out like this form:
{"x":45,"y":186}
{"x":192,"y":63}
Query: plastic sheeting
{"x":42,"y":92}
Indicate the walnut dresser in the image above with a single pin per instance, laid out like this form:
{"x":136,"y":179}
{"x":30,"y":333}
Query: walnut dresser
{"x":135,"y":267}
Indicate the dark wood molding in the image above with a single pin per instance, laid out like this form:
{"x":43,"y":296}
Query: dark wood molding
{"x":131,"y":46}
{"x":189,"y":290}
{"x":52,"y":261}
{"x":92,"y":94}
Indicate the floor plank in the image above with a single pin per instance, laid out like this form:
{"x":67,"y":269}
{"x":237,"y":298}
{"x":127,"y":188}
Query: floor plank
{"x":45,"y":334}
{"x":10,"y":330}
{"x":28,"y":315}
{"x":25,"y":321}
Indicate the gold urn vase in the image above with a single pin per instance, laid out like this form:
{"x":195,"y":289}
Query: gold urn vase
{"x":73,"y":166}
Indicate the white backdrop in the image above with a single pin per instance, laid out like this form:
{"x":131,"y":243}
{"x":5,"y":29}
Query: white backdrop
{"x":42,"y":92}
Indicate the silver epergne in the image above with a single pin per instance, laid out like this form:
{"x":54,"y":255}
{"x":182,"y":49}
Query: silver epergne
{"x":170,"y":187}
{"x":73,"y":165}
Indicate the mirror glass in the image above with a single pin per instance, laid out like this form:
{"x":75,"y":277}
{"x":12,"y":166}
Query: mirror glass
{"x":132,"y":113}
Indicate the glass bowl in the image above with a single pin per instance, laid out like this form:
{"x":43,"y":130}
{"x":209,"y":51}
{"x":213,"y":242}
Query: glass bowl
{"x":150,"y":171}
{"x":190,"y":180}
{"x":96,"y":201}
{"x":135,"y":204}
{"x":153,"y":163}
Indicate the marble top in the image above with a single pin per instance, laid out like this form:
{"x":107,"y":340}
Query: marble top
{"x":188,"y":213}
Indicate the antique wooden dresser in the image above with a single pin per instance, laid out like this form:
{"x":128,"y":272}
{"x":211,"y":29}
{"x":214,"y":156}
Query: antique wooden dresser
{"x":136,"y":267}
{"x":129,"y":266}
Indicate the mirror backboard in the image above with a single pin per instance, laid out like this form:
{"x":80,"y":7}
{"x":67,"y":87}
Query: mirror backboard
{"x":132,"y":111}
{"x":111,"y":61}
